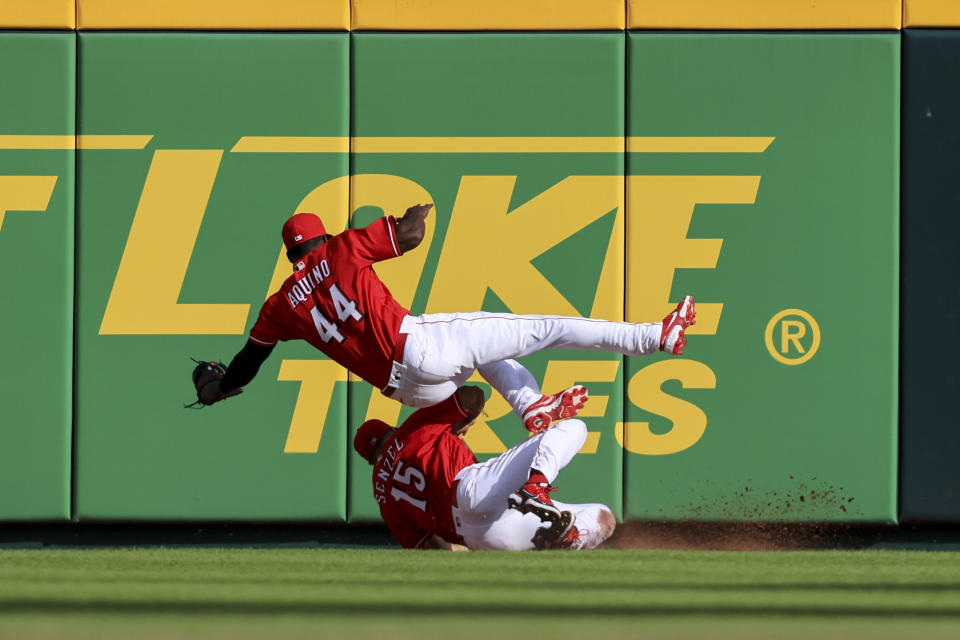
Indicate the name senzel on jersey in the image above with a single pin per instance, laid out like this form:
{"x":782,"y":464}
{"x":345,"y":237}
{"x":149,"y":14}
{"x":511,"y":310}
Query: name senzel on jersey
{"x":310,"y":281}
{"x":385,"y":466}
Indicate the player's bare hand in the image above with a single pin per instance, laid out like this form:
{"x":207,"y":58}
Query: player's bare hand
{"x":419,"y":211}
{"x":411,"y":227}
{"x":472,"y":400}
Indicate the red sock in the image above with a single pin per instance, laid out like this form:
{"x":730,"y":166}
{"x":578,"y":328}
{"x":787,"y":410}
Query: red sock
{"x":537,"y":477}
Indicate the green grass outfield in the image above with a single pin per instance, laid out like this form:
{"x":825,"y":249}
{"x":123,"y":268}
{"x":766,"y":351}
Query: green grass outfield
{"x":382,"y":593}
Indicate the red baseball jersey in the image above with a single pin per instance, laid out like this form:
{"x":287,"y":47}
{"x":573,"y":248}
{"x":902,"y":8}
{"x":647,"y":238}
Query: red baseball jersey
{"x":335,"y":301}
{"x":412,"y":476}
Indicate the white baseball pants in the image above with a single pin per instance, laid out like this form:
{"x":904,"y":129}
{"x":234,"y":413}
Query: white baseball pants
{"x":482,"y":516}
{"x":444,"y":349}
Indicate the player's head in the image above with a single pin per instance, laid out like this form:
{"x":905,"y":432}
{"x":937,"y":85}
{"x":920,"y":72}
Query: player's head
{"x":302,"y":233}
{"x":370,"y":436}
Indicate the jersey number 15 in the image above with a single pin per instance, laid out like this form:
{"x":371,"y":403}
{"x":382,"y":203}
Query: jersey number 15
{"x":411,"y":477}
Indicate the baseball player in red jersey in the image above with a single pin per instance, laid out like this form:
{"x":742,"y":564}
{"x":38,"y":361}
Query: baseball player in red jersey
{"x":335,"y":301}
{"x":433,"y":494}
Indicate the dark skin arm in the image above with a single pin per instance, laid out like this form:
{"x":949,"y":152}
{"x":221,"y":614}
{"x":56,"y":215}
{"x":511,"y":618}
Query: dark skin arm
{"x":411,"y":227}
{"x":243,"y":368}
{"x":472,"y":400}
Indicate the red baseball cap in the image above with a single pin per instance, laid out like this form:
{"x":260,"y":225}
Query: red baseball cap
{"x":370,"y":434}
{"x":300,"y":228}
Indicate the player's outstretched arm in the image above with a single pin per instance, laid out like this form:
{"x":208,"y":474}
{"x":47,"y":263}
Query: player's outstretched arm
{"x":243,"y":368}
{"x":411,"y":227}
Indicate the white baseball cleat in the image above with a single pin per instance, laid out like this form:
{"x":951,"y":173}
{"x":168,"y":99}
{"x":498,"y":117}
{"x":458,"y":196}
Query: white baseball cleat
{"x":672,"y":339}
{"x":548,"y":409}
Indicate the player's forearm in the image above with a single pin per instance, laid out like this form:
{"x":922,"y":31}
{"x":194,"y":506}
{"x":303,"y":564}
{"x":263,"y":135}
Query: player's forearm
{"x":438,"y":543}
{"x":244,"y":366}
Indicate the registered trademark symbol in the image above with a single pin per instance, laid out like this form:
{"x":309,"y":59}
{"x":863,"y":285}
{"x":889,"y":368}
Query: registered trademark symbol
{"x":798,"y":333}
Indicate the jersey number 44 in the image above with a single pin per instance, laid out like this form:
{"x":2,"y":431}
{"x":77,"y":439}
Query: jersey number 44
{"x":345,"y":308}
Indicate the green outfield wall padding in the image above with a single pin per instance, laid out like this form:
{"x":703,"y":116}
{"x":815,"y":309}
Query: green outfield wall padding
{"x":595,"y":174}
{"x":930,"y":441}
{"x":483,"y":126}
{"x":187,"y":177}
{"x":37,"y":119}
{"x":784,"y":404}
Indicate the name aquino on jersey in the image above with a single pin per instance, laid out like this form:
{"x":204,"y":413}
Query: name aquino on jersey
{"x":306,"y":285}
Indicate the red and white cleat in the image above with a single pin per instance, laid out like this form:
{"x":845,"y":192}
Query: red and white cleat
{"x":548,"y":409}
{"x":559,"y":535}
{"x":672,"y":339}
{"x":534,"y":497}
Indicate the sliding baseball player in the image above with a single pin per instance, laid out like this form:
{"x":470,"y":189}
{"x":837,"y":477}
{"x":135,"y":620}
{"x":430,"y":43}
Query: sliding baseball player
{"x":433,"y":494}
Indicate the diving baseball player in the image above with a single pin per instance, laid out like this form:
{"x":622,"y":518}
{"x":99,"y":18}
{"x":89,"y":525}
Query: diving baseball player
{"x":335,"y":301}
{"x":433,"y":494}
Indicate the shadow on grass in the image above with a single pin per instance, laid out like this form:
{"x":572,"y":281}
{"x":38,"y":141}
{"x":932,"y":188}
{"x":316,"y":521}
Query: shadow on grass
{"x":500,"y":583}
{"x":414,"y":610}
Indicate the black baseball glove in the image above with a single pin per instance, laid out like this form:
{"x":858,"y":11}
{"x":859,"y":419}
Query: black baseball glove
{"x":207,"y":373}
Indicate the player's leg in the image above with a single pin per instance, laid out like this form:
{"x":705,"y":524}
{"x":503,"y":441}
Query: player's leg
{"x":488,"y":485}
{"x":521,"y":477}
{"x":516,"y":531}
{"x":445,"y":345}
{"x":510,"y":531}
{"x":484,"y":489}
{"x":426,"y":378}
{"x":594,"y":523}
{"x":429,"y":377}
{"x":419,"y":395}
{"x":514,"y":382}
{"x":518,"y":386}
{"x":473,"y":340}
{"x":437,"y":352}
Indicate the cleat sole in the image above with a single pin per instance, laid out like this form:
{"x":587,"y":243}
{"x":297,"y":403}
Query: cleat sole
{"x":548,"y":537}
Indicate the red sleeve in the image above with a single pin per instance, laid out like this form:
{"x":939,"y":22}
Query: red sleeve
{"x":447,"y":412}
{"x":407,"y":534}
{"x":372,"y":243}
{"x":268,"y":330}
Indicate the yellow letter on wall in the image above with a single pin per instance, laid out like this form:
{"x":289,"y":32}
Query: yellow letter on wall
{"x":660,"y":210}
{"x":561,"y":374}
{"x":488,"y":246}
{"x":25,"y":193}
{"x":689,"y":420}
{"x":317,"y":379}
{"x":158,"y":250}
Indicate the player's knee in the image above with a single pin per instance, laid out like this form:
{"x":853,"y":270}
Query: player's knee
{"x":575,"y":429}
{"x":607,"y":522}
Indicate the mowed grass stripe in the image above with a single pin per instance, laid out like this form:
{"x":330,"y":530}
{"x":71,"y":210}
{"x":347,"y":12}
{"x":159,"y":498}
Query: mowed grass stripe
{"x":197,"y":591}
